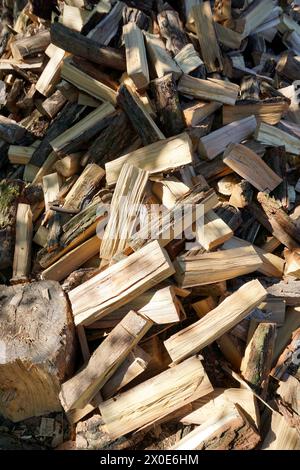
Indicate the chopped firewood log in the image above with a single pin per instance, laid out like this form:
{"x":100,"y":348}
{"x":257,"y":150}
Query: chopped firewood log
{"x":86,"y":185}
{"x":255,"y":14}
{"x":11,"y":131}
{"x":34,"y":366}
{"x":208,"y":268}
{"x":41,"y":236}
{"x":251,"y":167}
{"x":292,"y":266}
{"x":19,"y":155}
{"x":87,"y":83}
{"x":188,"y":59}
{"x":124,"y":211}
{"x":80,"y":389}
{"x":210,"y":90}
{"x":51,"y":74}
{"x":74,"y":17}
{"x":214,"y":231}
{"x":31,"y":45}
{"x":134,"y":15}
{"x":22,"y":254}
{"x":172,"y":31}
{"x":206,"y":34}
{"x":106,"y":29}
{"x":228,"y":37}
{"x":233,"y":431}
{"x":158,"y":157}
{"x":217,"y":322}
{"x":87,"y":48}
{"x":136,"y":60}
{"x":275,"y":137}
{"x":222,"y":10}
{"x":148,"y":266}
{"x":242,"y":194}
{"x":202,"y":307}
{"x":216,"y":142}
{"x":288,"y":391}
{"x":155,"y":398}
{"x":167,"y":105}
{"x":73,"y":138}
{"x":52,"y":105}
{"x":51,"y":186}
{"x":169,"y":190}
{"x":288,"y":66}
{"x":135,"y":364}
{"x":293,"y":113}
{"x":281,"y":436}
{"x":199,"y":111}
{"x":140,"y":119}
{"x":288,"y":361}
{"x":159,"y":57}
{"x":69,"y":165}
{"x":285,"y":332}
{"x":257,"y":361}
{"x":269,"y":113}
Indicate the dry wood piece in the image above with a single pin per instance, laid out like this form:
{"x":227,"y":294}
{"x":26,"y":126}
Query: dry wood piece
{"x":30,"y":46}
{"x":11,"y":131}
{"x":202,"y":307}
{"x":222,"y":10}
{"x":210,"y":90}
{"x":158,"y":157}
{"x":242,"y":194}
{"x":199,"y":111}
{"x":216,"y":142}
{"x":213,"y":232}
{"x":159,"y":56}
{"x":19,"y":155}
{"x":255,"y":15}
{"x":155,"y":398}
{"x":269,"y":113}
{"x":80,"y":389}
{"x":208,"y":268}
{"x":69,"y":165}
{"x":136,"y":60}
{"x":250,"y":166}
{"x":51,"y":74}
{"x":188,"y":59}
{"x":288,"y":360}
{"x":22,"y":254}
{"x":275,"y":137}
{"x":172,"y":31}
{"x":206,"y":34}
{"x":34,"y":365}
{"x":120,"y":283}
{"x":292,"y":267}
{"x":74,"y":17}
{"x":52,"y":105}
{"x":281,"y":436}
{"x":288,"y":66}
{"x":124,"y":211}
{"x":106,"y":29}
{"x":217,"y":322}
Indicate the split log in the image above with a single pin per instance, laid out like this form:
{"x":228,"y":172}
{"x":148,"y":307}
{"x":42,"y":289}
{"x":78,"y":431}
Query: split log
{"x":217,"y":322}
{"x":22,"y":254}
{"x":189,"y":60}
{"x":52,"y":105}
{"x":19,"y":155}
{"x":288,"y":361}
{"x":268,"y":112}
{"x":31,"y":45}
{"x":136,"y":59}
{"x":34,"y":366}
{"x":277,"y":160}
{"x":275,"y":137}
{"x":214,"y":231}
{"x":80,"y":389}
{"x":85,"y":187}
{"x":281,"y":436}
{"x":288,"y":66}
{"x":51,"y":74}
{"x":69,"y":165}
{"x":108,"y":27}
{"x":209,"y":90}
{"x":11,"y":131}
{"x":242,"y":194}
{"x":196,"y":113}
{"x":159,"y":57}
{"x":172,"y":31}
{"x":169,"y":191}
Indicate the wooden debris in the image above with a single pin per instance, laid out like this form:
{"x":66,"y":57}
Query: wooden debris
{"x":270,"y":135}
{"x":210,"y":90}
{"x":281,"y":436}
{"x":159,"y":56}
{"x":51,"y":74}
{"x":22,"y":254}
{"x":136,"y":61}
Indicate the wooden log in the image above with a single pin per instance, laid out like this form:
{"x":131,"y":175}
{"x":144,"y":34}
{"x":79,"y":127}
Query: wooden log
{"x":206,"y":34}
{"x":124,"y":210}
{"x":188,"y":59}
{"x":75,"y":137}
{"x":172,"y":31}
{"x":270,"y":113}
{"x":222,"y":10}
{"x":108,"y":27}
{"x":155,"y":398}
{"x":167,"y":105}
{"x":228,"y":37}
{"x":208,"y":90}
{"x":140,"y":119}
{"x":255,"y":15}
{"x":251,"y":167}
{"x":136,"y":16}
{"x":19,"y":155}
{"x":288,"y":66}
{"x":136,"y":59}
{"x":87,"y":48}
{"x":281,"y":436}
{"x":22,"y":254}
{"x":80,"y":389}
{"x":288,"y":360}
{"x":214,"y":231}
{"x":242,"y":194}
{"x":160,"y":156}
{"x":31,"y":45}
{"x":217,"y":322}
{"x":160,"y":59}
{"x":34,"y":366}
{"x":169,"y":191}
{"x":292,"y":267}
{"x":69,"y":165}
{"x":52,"y":105}
{"x":208,"y":268}
{"x":216,"y":142}
{"x":10,"y":131}
{"x":41,"y":236}
{"x":51,"y":74}
{"x":196,"y":113}
{"x":275,"y":137}
{"x":74,"y":17}
{"x":147,"y":267}
{"x":202,"y":307}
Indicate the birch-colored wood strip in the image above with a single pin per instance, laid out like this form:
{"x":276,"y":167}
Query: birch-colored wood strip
{"x":270,"y":135}
{"x":160,"y":57}
{"x":136,"y":58}
{"x":213,"y":232}
{"x":51,"y":73}
{"x":209,"y":90}
{"x":22,"y":253}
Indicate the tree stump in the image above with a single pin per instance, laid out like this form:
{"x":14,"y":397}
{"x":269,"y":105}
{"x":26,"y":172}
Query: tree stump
{"x":37,"y":339}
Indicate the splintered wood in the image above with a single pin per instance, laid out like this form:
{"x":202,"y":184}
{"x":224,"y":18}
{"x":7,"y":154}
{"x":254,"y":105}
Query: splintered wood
{"x":150,"y":223}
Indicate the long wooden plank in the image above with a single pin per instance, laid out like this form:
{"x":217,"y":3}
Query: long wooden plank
{"x":209,"y":90}
{"x":22,"y":254}
{"x":136,"y":59}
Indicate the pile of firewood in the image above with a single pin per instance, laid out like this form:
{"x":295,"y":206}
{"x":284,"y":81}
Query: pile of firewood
{"x":149,"y":219}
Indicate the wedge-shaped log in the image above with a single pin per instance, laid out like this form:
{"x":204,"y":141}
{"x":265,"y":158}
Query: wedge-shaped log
{"x":120,"y":283}
{"x":214,"y":231}
{"x":161,"y":156}
{"x":159,"y":56}
{"x":80,"y":389}
{"x":51,"y":73}
{"x":87,"y":182}
{"x":275,"y":137}
{"x":155,"y":398}
{"x":136,"y":59}
{"x":188,"y":59}
{"x":268,"y":112}
{"x":218,"y":321}
{"x":30,"y":45}
{"x":209,"y":90}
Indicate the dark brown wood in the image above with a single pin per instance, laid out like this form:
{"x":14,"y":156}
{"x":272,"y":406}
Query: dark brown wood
{"x":11,"y":131}
{"x":52,"y":105}
{"x":43,"y":9}
{"x":250,"y":88}
{"x":95,"y":71}
{"x":167,"y":105}
{"x":82,"y":46}
{"x":288,"y":67}
{"x":172,"y":31}
{"x":276,"y":159}
{"x":136,"y":16}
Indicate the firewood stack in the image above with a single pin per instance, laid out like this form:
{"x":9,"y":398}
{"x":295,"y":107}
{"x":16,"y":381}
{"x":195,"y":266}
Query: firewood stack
{"x":150,"y":222}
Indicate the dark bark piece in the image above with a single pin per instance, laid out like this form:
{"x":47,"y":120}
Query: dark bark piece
{"x":250,"y":88}
{"x":276,"y":159}
{"x":94,"y":71}
{"x":172,"y":31}
{"x":144,"y":5}
{"x":287,"y":290}
{"x":288,"y":67}
{"x":11,"y":131}
{"x":43,"y":9}
{"x":52,"y":105}
{"x":54,"y":227}
{"x":136,"y":16}
{"x":167,"y":105}
{"x":37,"y":354}
{"x":82,"y":46}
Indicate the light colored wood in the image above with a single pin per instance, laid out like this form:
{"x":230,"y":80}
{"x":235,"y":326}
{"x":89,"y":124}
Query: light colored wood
{"x":46,"y":168}
{"x":273,"y":136}
{"x":19,"y":155}
{"x":160,"y":156}
{"x":196,"y":113}
{"x":82,"y":387}
{"x":69,"y":165}
{"x":255,"y":15}
{"x":281,"y":436}
{"x":8,"y":65}
{"x":155,"y":398}
{"x":22,"y":253}
{"x":120,"y":283}
{"x":218,"y":321}
{"x":213,"y":232}
{"x":290,"y":92}
{"x":216,"y":142}
{"x":124,"y":210}
{"x":169,"y":190}
{"x":202,"y":307}
{"x":206,"y":34}
{"x":159,"y":56}
{"x":90,"y":121}
{"x":269,"y":113}
{"x":89,"y":178}
{"x":87,"y":100}
{"x":208,"y":268}
{"x":74,"y":17}
{"x":41,"y":236}
{"x":292,"y":267}
{"x":188,"y":59}
{"x":251,"y":167}
{"x":88,"y":84}
{"x":209,"y":90}
{"x":136,"y":59}
{"x":51,"y":186}
{"x":51,"y":73}
{"x":228,"y":37}
{"x":72,"y":260}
